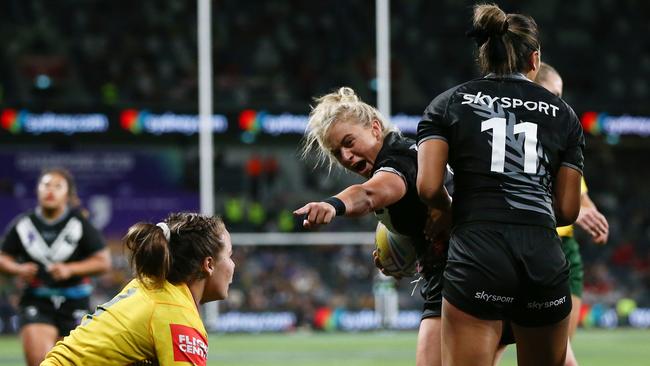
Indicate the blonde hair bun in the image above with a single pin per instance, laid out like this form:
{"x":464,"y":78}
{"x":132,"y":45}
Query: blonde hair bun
{"x":348,"y":95}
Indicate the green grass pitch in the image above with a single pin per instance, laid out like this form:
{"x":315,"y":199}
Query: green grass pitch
{"x":628,"y":347}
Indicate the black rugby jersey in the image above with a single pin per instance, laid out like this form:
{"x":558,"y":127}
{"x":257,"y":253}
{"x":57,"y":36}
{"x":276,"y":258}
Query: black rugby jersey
{"x":507,"y":139}
{"x":407,"y":216}
{"x":68,"y":239}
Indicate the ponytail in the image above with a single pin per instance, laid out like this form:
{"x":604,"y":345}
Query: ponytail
{"x":150,"y":256}
{"x":504,"y":41}
{"x":174,"y":250}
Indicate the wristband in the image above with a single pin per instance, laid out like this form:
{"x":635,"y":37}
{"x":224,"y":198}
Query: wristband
{"x":338,"y":205}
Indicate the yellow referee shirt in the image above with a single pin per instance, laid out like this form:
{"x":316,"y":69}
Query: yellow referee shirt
{"x":567,"y":231}
{"x":138,"y":326}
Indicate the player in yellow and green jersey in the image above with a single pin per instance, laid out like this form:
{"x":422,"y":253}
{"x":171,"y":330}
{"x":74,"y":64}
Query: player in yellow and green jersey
{"x":180,"y":263}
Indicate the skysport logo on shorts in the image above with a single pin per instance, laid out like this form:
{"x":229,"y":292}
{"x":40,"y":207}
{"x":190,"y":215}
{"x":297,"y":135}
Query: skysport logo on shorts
{"x":493,"y":298}
{"x":189,"y":345}
{"x":547,"y":304}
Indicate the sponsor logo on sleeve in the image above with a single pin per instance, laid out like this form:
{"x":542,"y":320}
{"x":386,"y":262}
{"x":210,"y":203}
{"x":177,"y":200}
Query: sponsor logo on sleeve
{"x":189,"y":345}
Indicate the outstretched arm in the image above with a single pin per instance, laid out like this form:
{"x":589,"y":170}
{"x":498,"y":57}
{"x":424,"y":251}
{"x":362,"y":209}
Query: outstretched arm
{"x":382,"y":190}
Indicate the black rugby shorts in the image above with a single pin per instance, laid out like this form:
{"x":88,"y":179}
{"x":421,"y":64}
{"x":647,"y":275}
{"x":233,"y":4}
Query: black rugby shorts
{"x":431,"y":290}
{"x":511,"y":272}
{"x":64,"y":314}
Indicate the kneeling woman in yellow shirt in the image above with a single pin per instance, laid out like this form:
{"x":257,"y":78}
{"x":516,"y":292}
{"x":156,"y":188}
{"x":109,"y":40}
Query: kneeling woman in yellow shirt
{"x":179,"y":263}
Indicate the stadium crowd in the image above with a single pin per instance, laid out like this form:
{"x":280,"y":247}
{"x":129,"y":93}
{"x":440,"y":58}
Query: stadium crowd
{"x":54,"y":50}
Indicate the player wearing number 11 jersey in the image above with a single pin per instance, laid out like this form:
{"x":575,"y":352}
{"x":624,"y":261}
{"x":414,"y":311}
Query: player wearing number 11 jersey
{"x":516,"y":153}
{"x":508,"y":137}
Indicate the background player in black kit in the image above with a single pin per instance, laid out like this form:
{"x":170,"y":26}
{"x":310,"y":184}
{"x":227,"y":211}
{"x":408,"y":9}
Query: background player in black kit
{"x":343,"y":129}
{"x":516,"y":153}
{"x":52,"y":249}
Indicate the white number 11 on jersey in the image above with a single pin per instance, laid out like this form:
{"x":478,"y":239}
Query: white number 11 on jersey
{"x":498,"y":127}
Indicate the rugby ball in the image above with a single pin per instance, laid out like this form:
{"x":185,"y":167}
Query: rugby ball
{"x":396,"y":252}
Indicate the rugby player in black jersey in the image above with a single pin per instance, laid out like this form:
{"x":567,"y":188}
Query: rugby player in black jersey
{"x":346,"y":130}
{"x":516,"y":153}
{"x":53,"y":249}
